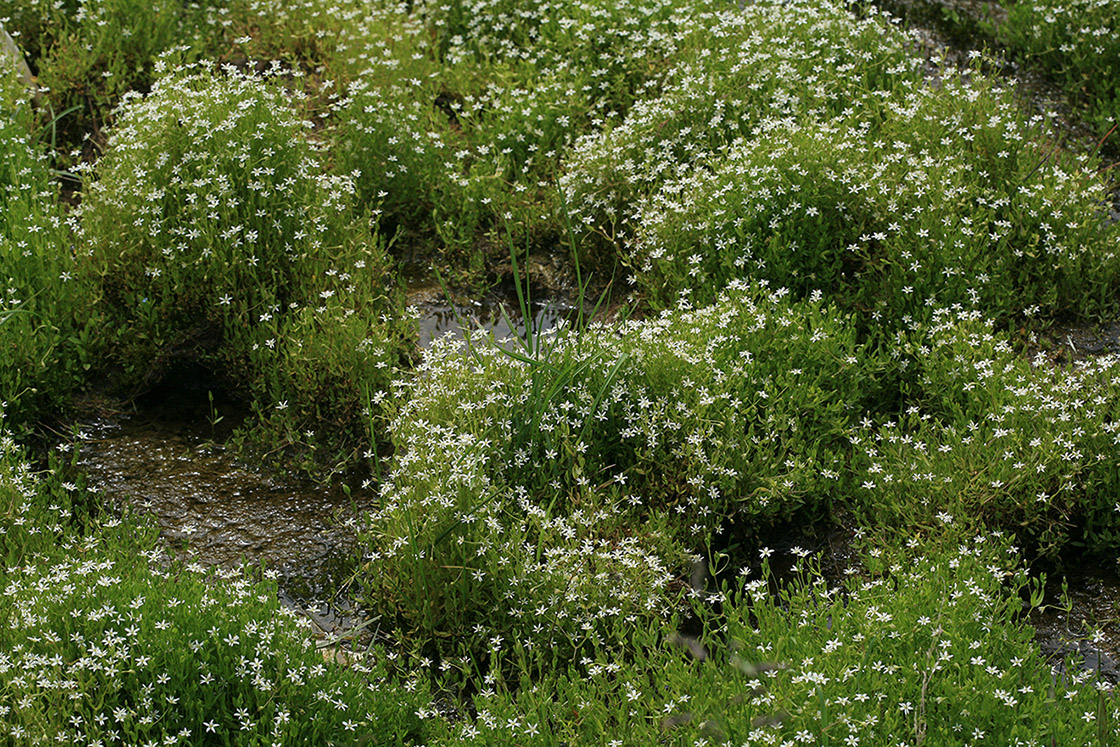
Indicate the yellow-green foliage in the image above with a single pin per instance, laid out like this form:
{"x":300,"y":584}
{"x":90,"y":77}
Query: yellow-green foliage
{"x":217,"y":237}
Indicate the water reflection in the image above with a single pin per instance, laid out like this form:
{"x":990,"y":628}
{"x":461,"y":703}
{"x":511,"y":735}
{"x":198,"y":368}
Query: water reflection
{"x":1082,"y":619}
{"x":437,"y":320}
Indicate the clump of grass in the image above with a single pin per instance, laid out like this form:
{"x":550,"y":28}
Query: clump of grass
{"x":217,"y":238}
{"x":395,"y":138}
{"x":456,"y":549}
{"x":610,"y":50}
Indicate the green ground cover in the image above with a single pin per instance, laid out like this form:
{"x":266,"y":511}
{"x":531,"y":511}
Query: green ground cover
{"x":1072,"y":42}
{"x":838,"y":257}
{"x":1079,"y":42}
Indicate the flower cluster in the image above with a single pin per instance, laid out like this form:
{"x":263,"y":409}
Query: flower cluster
{"x":520,"y":475}
{"x":921,"y":646}
{"x":219,"y":238}
{"x":991,"y":436}
{"x":831,"y":242}
{"x":737,"y":72}
{"x":856,"y":177}
{"x":458,"y":120}
{"x":887,"y":214}
{"x":100,"y":647}
{"x":1077,"y":41}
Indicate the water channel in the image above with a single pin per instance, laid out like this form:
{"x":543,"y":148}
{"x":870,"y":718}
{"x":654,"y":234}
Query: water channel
{"x":166,"y":456}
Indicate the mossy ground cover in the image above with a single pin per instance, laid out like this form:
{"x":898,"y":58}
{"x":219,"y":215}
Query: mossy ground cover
{"x":835,"y":263}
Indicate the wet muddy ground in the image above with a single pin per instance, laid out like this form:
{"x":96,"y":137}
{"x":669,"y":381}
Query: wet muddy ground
{"x":496,"y":313}
{"x":549,"y":287}
{"x":1069,"y":343}
{"x":167,"y":457}
{"x":1083,"y":619}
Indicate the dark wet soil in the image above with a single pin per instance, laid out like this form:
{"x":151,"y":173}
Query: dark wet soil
{"x":1070,"y":343}
{"x":168,"y":457}
{"x":1083,"y":619}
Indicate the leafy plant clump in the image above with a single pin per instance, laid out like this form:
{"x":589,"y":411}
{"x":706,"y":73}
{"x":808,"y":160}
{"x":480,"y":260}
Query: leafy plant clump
{"x":887,"y":215}
{"x":1074,"y":42}
{"x":740,"y":73}
{"x":916,"y":645}
{"x":1077,"y":41}
{"x":459,"y":121}
{"x":103,"y":637}
{"x":831,"y":242}
{"x":997,"y":438}
{"x":218,"y":238}
{"x":515,"y":465}
{"x":47,"y":326}
{"x":924,"y":646}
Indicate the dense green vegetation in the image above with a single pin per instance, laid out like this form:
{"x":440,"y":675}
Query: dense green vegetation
{"x":837,"y":258}
{"x":1075,"y":42}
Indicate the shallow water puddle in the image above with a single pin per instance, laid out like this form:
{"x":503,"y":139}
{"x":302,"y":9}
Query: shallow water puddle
{"x":438,"y":318}
{"x":1086,"y":622}
{"x":550,"y":290}
{"x":168,"y":459}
